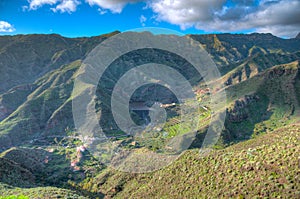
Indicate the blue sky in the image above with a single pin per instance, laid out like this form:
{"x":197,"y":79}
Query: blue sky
{"x":73,"y":18}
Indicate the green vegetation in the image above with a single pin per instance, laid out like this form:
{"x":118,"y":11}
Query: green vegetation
{"x":262,"y":167}
{"x":255,"y":157}
{"x":14,"y":197}
{"x":40,"y":192}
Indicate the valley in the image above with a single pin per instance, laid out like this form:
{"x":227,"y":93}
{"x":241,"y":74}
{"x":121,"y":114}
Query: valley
{"x":42,"y":155}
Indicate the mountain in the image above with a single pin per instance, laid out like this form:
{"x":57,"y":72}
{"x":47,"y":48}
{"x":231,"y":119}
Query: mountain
{"x":260,"y":73}
{"x":40,"y":108}
{"x":25,"y":58}
{"x":231,"y":48}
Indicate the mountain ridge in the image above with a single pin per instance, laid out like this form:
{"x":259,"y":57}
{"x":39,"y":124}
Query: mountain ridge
{"x":56,"y":84}
{"x":38,"y":139}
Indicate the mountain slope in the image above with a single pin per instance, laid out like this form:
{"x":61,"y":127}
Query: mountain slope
{"x":24,"y":58}
{"x":263,"y":103}
{"x":262,"y":81}
{"x":256,"y":64}
{"x":231,"y":48}
{"x":266,"y":166}
{"x":42,"y":109}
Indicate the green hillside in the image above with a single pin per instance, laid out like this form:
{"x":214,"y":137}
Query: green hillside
{"x":255,"y":157}
{"x":266,"y":166}
{"x":24,"y":58}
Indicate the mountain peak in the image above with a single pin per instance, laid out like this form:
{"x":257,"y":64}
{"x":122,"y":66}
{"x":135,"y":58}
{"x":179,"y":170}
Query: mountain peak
{"x":298,"y":36}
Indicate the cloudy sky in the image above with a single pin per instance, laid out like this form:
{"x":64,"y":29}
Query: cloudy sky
{"x":93,"y":17}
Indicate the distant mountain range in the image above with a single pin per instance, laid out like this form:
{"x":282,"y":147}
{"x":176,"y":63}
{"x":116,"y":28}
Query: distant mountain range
{"x":261,"y":75}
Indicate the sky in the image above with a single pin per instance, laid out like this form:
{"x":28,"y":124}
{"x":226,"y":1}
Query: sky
{"x":76,"y":18}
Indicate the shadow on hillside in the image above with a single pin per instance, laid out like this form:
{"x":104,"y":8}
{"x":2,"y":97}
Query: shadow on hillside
{"x":274,"y":104}
{"x":32,"y":168}
{"x":242,"y":122}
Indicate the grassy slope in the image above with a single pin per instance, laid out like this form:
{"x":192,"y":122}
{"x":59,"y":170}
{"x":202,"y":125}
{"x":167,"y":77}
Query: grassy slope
{"x":266,"y":166}
{"x":39,"y":192}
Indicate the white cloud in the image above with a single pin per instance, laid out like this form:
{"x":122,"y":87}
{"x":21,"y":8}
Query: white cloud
{"x":115,"y":6}
{"x":280,"y":17}
{"x":143,"y":19}
{"x":60,"y":5}
{"x":35,"y":4}
{"x":66,"y":6}
{"x":286,"y":31}
{"x":185,"y":13}
{"x":6,"y":27}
